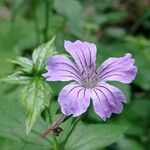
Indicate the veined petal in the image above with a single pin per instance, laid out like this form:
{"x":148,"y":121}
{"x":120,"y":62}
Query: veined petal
{"x":74,"y":99}
{"x":84,"y":53}
{"x":61,"y":68}
{"x":118,"y":69}
{"x":107,"y":99}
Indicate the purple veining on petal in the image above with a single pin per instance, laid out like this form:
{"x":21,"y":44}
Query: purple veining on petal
{"x":80,"y":52}
{"x":109,"y":87}
{"x":110,"y":104}
{"x":84,"y":57}
{"x":90,"y":57}
{"x":77,"y":86}
{"x":79,"y":92}
{"x":74,"y":99}
{"x":111,"y":101}
{"x":103,"y":67}
{"x":80,"y":61}
{"x":77,"y":71}
{"x":119,"y":69}
{"x":99,"y":106}
{"x":106,"y":73}
{"x":76,"y":75}
{"x":57,"y":67}
{"x":112,"y":61}
{"x":73,"y":103}
{"x":69,"y":77}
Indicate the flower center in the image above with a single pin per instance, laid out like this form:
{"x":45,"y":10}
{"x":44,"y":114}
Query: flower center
{"x":89,"y":77}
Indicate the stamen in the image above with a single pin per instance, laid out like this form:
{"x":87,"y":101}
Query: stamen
{"x":89,"y":76}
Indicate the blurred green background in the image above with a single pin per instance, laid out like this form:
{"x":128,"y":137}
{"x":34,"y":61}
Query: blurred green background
{"x":115,"y":26}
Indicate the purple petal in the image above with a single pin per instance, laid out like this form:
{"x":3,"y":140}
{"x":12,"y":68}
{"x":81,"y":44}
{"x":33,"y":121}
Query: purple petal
{"x":60,"y":68}
{"x":84,"y":53}
{"x":74,"y":99}
{"x":118,"y":69}
{"x":107,"y":99}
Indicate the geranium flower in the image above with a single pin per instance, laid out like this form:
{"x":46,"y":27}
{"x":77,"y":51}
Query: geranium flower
{"x":88,"y":81}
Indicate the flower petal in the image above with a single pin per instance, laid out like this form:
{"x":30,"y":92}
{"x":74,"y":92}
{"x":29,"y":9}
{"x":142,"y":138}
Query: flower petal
{"x":74,"y":99}
{"x":107,"y":99}
{"x":84,"y":53}
{"x":61,"y":68}
{"x":118,"y":69}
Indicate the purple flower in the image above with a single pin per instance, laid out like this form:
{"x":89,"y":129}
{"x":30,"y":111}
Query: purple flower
{"x":88,"y":81}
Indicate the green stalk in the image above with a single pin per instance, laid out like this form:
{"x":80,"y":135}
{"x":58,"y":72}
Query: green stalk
{"x":56,"y":145}
{"x":73,"y":124}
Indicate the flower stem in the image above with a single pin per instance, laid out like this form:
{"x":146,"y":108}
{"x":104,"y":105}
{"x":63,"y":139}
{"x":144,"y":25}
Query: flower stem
{"x":56,"y":146}
{"x":74,"y":122}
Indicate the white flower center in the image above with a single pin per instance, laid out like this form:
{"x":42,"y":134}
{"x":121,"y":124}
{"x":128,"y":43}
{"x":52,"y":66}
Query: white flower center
{"x":89,"y":77}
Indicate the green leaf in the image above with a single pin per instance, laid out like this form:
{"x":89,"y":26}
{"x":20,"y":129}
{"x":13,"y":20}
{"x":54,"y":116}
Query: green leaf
{"x":143,"y":63}
{"x":94,"y":136}
{"x":14,"y":38}
{"x":115,"y":32}
{"x":25,"y":64}
{"x":116,"y":16}
{"x":72,"y":13}
{"x":141,"y":52}
{"x":41,"y":54}
{"x":73,"y":8}
{"x":12,"y":129}
{"x":141,"y":104}
{"x":16,"y":78}
{"x":128,"y":144}
{"x":35,"y":96}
